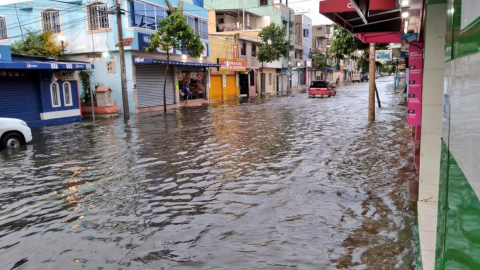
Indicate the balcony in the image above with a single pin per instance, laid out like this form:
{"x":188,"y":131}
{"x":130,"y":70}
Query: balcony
{"x":240,"y":20}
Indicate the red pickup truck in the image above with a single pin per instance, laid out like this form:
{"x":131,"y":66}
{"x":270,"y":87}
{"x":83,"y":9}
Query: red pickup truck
{"x":320,"y":89}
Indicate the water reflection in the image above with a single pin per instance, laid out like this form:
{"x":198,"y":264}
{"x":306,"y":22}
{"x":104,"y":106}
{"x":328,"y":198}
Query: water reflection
{"x":276,"y":183}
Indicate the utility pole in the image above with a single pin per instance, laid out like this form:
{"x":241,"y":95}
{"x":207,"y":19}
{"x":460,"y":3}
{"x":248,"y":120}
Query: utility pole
{"x":371,"y":96}
{"x":126,"y":110}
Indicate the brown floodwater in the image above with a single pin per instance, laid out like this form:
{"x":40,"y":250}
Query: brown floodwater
{"x":274,"y":183}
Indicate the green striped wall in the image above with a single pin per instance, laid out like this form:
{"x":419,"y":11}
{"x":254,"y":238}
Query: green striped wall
{"x":458,"y":228}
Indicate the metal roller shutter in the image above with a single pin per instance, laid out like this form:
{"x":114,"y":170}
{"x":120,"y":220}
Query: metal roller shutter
{"x":19,"y":98}
{"x":150,"y":79}
{"x":232,"y":91}
{"x":216,"y":88}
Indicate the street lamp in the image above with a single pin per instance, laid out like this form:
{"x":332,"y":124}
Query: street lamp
{"x":62,"y":39}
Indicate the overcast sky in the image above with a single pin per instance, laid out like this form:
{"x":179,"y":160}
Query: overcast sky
{"x":310,"y":7}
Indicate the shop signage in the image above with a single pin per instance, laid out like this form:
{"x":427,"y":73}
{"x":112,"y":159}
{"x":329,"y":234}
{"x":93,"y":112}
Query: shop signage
{"x":415,"y":77}
{"x":383,"y":55}
{"x":406,"y":39}
{"x":234,"y":51}
{"x":94,"y":55}
{"x":232,"y":65}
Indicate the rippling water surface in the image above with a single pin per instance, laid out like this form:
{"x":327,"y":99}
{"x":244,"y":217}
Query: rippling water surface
{"x":273,"y":184}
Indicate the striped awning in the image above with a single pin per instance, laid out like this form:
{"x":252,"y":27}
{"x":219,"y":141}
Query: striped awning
{"x":44,"y":65}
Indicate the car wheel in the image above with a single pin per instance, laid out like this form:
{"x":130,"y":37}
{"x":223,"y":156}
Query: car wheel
{"x":12,"y":140}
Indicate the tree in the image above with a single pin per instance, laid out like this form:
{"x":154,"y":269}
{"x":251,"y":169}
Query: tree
{"x":42,"y":44}
{"x":320,"y":61}
{"x":273,"y":44}
{"x":175,"y":33}
{"x":344,"y":43}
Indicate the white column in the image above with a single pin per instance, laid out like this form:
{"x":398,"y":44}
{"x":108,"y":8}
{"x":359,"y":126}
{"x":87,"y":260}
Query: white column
{"x":430,"y":148}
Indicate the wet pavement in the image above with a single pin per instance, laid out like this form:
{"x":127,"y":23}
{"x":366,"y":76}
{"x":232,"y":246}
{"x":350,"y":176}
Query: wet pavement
{"x":278,"y":183}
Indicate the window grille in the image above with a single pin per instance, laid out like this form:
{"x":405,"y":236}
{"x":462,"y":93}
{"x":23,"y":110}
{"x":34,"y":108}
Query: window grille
{"x":51,"y":21}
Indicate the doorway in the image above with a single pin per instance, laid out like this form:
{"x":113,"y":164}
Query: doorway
{"x":244,"y":84}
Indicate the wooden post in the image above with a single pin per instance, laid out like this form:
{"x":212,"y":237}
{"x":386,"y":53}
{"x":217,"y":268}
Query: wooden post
{"x":371,"y":95}
{"x":378,"y":97}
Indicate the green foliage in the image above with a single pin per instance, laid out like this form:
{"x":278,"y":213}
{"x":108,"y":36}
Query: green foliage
{"x":320,"y":61}
{"x":41,"y":44}
{"x":176,"y":33}
{"x":84,"y":77}
{"x":273,"y":44}
{"x":344,"y":43}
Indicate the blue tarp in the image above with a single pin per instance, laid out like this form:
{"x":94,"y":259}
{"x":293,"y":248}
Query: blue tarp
{"x":330,"y":69}
{"x":139,"y":60}
{"x":43,"y":65}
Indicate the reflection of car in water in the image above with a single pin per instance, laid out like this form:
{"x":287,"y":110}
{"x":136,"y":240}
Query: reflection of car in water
{"x":321,"y":89}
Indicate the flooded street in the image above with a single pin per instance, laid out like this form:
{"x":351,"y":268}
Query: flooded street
{"x":278,"y":183}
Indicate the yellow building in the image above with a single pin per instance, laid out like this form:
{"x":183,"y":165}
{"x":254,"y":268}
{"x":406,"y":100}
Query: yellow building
{"x":242,"y":45}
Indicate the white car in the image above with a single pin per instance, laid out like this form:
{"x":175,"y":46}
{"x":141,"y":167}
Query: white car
{"x":13,"y":133}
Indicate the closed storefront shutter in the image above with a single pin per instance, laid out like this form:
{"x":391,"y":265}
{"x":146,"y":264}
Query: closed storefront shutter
{"x":216,"y":88}
{"x":232,"y":91}
{"x":19,"y":98}
{"x":150,"y":79}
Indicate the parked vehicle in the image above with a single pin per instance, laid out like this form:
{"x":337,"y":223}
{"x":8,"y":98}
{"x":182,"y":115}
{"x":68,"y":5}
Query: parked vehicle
{"x":364,"y":78}
{"x":356,"y":78}
{"x":14,"y":133}
{"x":321,"y":89}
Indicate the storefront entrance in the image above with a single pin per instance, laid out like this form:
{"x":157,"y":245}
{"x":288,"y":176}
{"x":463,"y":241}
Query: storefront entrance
{"x":194,"y":79}
{"x":244,"y":84}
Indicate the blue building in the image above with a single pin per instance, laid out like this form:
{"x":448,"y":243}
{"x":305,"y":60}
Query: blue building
{"x":39,"y":90}
{"x":90,"y":32}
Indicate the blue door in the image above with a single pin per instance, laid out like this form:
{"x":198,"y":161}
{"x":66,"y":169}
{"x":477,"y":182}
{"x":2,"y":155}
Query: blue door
{"x":19,"y":98}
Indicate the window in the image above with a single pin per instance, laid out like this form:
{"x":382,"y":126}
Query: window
{"x":252,"y":78}
{"x":243,"y":48}
{"x":220,"y":21}
{"x":3,"y":28}
{"x":67,"y":94}
{"x":197,"y":27}
{"x":319,"y":28}
{"x":305,"y":32}
{"x":263,"y":2}
{"x":254,"y":50}
{"x":204,"y":31}
{"x":51,"y":21}
{"x":98,"y":16}
{"x":160,"y":14}
{"x":55,"y":95}
{"x":269,"y":78}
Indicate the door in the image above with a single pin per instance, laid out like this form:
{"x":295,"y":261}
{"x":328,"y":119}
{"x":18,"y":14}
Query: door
{"x":262,"y":82}
{"x":232,"y":91}
{"x":20,"y":98}
{"x":216,"y":88}
{"x":150,"y":80}
{"x":243,"y":84}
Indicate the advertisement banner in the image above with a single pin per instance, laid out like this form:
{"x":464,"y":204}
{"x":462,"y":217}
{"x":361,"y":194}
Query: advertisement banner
{"x":415,"y":84}
{"x":383,"y":55}
{"x":144,"y":42}
{"x":234,"y":51}
{"x":405,"y":42}
{"x":232,"y":65}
